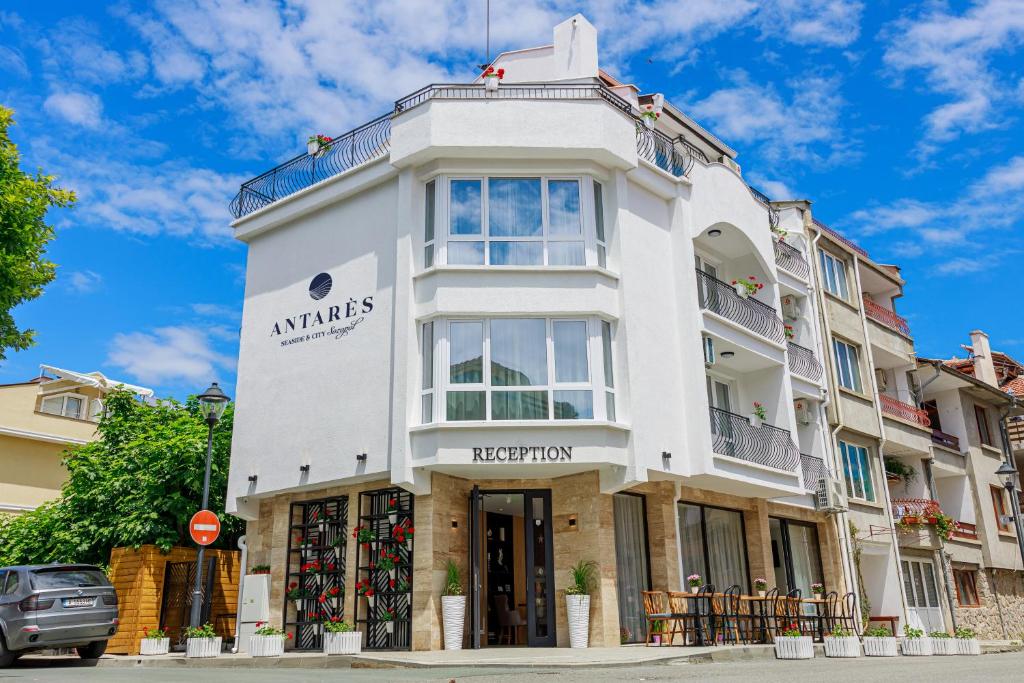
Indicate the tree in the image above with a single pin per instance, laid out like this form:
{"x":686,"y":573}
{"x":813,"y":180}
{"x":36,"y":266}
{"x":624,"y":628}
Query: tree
{"x":24,"y":234}
{"x":139,"y":483}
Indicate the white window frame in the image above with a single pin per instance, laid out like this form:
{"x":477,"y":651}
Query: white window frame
{"x":834,"y":275}
{"x":430,"y":189}
{"x":851,"y":484}
{"x":587,"y":235}
{"x":596,"y":384}
{"x":64,"y":396}
{"x":852,"y":351}
{"x":600,"y":236}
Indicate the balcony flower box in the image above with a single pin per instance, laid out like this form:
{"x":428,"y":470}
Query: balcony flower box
{"x":917,"y":647}
{"x":884,"y":646}
{"x":845,"y":646}
{"x":154,"y":646}
{"x":794,"y":647}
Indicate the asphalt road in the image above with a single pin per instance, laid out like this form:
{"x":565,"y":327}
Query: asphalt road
{"x":989,"y":668}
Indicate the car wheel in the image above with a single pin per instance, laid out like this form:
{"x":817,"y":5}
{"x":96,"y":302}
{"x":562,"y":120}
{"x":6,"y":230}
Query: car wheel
{"x":6,"y":656}
{"x":93,"y":650}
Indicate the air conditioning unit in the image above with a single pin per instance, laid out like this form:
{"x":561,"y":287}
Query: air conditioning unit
{"x":882,"y":379}
{"x":709,"y":351}
{"x":802,"y":409}
{"x":831,"y":496}
{"x":790,"y":309}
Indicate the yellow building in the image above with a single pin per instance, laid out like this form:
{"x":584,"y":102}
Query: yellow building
{"x":39,"y":419}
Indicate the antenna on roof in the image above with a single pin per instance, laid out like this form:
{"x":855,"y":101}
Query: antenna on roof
{"x":487,"y":39}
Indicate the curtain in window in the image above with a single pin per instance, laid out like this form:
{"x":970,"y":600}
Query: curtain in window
{"x":726,"y":548}
{"x":570,"y":337}
{"x":806,"y":558}
{"x":631,"y":565}
{"x":466,"y":353}
{"x":514,"y":208}
{"x":519,"y":355}
{"x":692,"y":541}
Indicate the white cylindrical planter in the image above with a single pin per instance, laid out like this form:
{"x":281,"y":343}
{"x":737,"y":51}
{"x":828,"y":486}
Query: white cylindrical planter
{"x":755,"y":421}
{"x":798,"y":647}
{"x":369,"y":601}
{"x":266,"y":646}
{"x":741,"y":291}
{"x":155,"y":646}
{"x":917,"y":647}
{"x":943,"y":646}
{"x":349,"y":643}
{"x":392,"y":518}
{"x":391,"y":574}
{"x":848,"y":646}
{"x":312,"y":148}
{"x":577,"y":608}
{"x":453,"y":618}
{"x":967,"y":646}
{"x":490,"y":82}
{"x":880,"y":647}
{"x":761,"y":594}
{"x":202,"y":647}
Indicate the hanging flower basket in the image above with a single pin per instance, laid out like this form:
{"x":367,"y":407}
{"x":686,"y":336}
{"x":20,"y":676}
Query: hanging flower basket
{"x":794,"y":647}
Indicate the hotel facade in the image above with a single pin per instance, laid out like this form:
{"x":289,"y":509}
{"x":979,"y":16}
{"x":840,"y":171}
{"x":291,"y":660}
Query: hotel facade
{"x":509,"y":328}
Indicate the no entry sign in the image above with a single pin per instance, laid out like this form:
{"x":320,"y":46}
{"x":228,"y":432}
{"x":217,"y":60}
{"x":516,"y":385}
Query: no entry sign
{"x":204,"y":527}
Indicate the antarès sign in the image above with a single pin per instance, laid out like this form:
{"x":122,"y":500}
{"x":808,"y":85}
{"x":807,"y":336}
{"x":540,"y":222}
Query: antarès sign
{"x":328,"y":322}
{"x":523,"y":454}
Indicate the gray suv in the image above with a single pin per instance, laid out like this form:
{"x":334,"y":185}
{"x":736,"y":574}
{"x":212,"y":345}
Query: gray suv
{"x":55,"y":606}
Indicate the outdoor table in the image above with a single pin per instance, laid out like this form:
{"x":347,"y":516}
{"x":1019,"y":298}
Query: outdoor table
{"x":762,"y":614}
{"x":696,"y":597}
{"x":819,"y":606}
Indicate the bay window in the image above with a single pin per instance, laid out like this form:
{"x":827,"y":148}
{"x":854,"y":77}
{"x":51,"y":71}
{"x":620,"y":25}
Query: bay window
{"x":530,"y":368}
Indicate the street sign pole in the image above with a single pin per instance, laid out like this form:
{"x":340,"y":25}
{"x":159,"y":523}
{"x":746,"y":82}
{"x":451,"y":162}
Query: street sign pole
{"x":197,"y":592}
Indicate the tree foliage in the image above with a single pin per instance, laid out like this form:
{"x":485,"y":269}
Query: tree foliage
{"x":24,"y":234}
{"x":139,"y":483}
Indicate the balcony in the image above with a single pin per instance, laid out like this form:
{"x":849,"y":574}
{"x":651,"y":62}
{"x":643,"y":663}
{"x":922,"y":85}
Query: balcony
{"x":886,"y":317}
{"x":803,"y":362}
{"x":733,"y":435}
{"x":912,"y":507}
{"x":966,"y":531}
{"x":904,"y":411}
{"x":814,"y":470}
{"x":791,"y":259}
{"x":948,"y":440}
{"x":673,"y":155}
{"x":719,"y":297}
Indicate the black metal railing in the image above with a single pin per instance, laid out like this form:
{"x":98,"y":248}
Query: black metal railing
{"x":365,"y":143}
{"x":735,"y":436}
{"x":792,"y":259}
{"x":814,"y":470}
{"x":803,"y":362}
{"x":721,"y":298}
{"x":515,"y":91}
{"x":837,"y":236}
{"x":661,"y":150}
{"x":773,"y":213}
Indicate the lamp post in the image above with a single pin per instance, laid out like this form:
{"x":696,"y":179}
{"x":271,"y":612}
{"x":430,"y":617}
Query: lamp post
{"x":212,"y":403}
{"x":1009,"y":475}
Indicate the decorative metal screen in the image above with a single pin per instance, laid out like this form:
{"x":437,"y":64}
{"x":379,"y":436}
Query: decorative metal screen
{"x":315,"y":590}
{"x":385,"y":536}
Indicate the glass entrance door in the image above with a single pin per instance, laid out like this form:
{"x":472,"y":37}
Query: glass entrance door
{"x":540,"y":565}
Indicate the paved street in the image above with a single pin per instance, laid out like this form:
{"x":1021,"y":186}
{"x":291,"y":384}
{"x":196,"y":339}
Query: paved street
{"x":993,"y":668}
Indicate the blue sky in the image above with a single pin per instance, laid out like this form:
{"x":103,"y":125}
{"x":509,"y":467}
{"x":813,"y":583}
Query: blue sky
{"x":901,"y":121}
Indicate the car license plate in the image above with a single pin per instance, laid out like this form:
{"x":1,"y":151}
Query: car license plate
{"x":78,"y":602}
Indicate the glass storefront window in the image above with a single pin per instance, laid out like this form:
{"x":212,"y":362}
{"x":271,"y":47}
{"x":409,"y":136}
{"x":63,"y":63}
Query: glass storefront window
{"x":713,"y":545}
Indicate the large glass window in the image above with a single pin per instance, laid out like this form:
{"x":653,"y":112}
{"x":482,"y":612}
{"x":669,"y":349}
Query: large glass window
{"x":427,"y":382}
{"x":66,"y":405}
{"x":602,"y":242}
{"x":857,"y":471}
{"x":428,"y":223}
{"x":833,"y":273}
{"x":515,"y":222}
{"x":796,"y":556}
{"x":847,"y":365}
{"x":713,"y":545}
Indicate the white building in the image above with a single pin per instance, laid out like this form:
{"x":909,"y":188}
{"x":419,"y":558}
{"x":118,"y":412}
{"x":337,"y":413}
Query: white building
{"x":498,"y":307}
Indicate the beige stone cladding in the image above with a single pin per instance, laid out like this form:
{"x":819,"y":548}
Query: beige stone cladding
{"x":1000,"y":613}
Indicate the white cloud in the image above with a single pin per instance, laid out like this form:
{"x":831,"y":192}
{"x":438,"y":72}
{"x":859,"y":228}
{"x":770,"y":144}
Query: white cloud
{"x":831,"y":23}
{"x":217,"y":311}
{"x":954,"y":53}
{"x":78,"y":108}
{"x":74,"y":51}
{"x":169,"y":355}
{"x":12,"y":62}
{"x":84,"y":281}
{"x":773,"y":187}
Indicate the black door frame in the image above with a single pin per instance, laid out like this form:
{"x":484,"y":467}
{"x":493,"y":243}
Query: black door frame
{"x":787,"y":548}
{"x":529,"y":495}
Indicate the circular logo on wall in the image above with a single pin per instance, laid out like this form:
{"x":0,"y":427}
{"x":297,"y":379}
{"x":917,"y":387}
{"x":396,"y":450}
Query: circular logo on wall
{"x":320,"y":286}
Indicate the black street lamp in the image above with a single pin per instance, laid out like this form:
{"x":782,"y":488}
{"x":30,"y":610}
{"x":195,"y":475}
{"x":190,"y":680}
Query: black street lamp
{"x":212,"y":403}
{"x":1009,"y":476}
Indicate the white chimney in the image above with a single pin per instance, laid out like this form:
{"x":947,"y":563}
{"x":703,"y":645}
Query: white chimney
{"x":984,"y":368}
{"x":575,"y":49}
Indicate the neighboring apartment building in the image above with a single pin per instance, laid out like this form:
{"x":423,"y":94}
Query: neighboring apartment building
{"x":39,"y":419}
{"x":508,"y":318}
{"x":966,"y":400}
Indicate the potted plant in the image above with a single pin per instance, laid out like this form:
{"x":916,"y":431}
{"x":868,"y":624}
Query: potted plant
{"x":657,"y":631}
{"x":403,"y":533}
{"x":966,"y":642}
{"x":364,"y":536}
{"x":155,"y":642}
{"x":296,"y":594}
{"x":318,"y":144}
{"x":778,"y":233}
{"x":879,"y":642}
{"x":340,"y":638}
{"x":649,"y":115}
{"x":260,"y":569}
{"x":761,"y":586}
{"x":453,"y":608}
{"x":818,"y":590}
{"x":942,"y":643}
{"x":202,"y":641}
{"x":492,"y":77}
{"x":841,"y":643}
{"x":365,"y":589}
{"x":577,"y":602}
{"x":896,"y":470}
{"x":267,"y":641}
{"x":787,"y":330}
{"x":388,"y":562}
{"x":392,"y":511}
{"x":793,"y":644}
{"x":915,"y":644}
{"x":747,"y":287}
{"x":694,"y":582}
{"x":388,"y":618}
{"x":759,"y":415}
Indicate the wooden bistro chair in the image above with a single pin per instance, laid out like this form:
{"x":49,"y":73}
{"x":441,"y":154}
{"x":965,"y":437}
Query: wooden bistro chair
{"x":656,"y":610}
{"x":693,"y":611}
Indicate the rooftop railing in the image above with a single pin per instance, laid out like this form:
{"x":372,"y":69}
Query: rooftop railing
{"x":733,"y":435}
{"x":840,"y":238}
{"x":372,"y":140}
{"x":883,"y":315}
{"x":792,"y":259}
{"x":721,"y":298}
{"x":904,"y":411}
{"x":803,"y":362}
{"x":814,"y":470}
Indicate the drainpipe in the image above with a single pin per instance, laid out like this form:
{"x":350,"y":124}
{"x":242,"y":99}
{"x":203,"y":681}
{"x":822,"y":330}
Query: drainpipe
{"x":241,"y":582}
{"x":881,"y":441}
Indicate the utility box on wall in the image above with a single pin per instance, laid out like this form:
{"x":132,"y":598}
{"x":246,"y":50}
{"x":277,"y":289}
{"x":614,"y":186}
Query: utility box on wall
{"x":255,"y":607}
